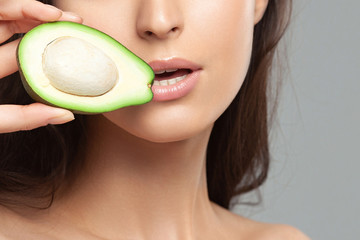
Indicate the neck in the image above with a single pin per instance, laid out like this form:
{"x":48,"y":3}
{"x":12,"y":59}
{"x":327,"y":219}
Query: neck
{"x":141,"y":189}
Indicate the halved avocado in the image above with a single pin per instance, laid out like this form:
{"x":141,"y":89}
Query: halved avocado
{"x":73,"y":66}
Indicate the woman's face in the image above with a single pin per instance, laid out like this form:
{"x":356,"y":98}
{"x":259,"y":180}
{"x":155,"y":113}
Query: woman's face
{"x":210,"y":40}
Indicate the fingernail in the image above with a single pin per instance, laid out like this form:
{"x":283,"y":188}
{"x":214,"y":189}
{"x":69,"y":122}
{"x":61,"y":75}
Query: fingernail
{"x":62,"y":117}
{"x":52,"y":8}
{"x":71,"y":16}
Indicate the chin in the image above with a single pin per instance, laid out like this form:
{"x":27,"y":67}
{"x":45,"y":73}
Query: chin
{"x":163,"y":136}
{"x":157,"y":125}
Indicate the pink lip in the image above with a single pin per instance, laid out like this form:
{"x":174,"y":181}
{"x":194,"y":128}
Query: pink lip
{"x":181,"y":88}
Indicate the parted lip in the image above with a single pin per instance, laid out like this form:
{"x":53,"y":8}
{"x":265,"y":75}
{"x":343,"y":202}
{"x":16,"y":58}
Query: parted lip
{"x":173,"y":63}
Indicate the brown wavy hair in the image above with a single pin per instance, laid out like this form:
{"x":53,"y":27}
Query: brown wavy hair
{"x":35,"y":164}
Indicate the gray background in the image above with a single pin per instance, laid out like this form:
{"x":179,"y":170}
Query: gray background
{"x":315,"y":175}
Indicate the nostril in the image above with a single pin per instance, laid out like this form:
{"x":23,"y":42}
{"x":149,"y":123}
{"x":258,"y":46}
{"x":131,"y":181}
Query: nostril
{"x":160,"y":32}
{"x":148,"y":33}
{"x":175,"y":29}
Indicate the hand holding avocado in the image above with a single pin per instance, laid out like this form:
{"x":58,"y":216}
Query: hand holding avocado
{"x":19,"y":16}
{"x":65,"y":64}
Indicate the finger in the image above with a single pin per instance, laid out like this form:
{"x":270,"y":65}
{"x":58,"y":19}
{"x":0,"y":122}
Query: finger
{"x":29,"y":9}
{"x":69,"y":16}
{"x":8,"y":58}
{"x":16,"y":118}
{"x":9,"y":28}
{"x":5,"y":31}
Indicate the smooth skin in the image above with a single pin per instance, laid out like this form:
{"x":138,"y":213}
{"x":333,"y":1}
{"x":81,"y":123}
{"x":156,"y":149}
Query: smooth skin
{"x":144,"y":176}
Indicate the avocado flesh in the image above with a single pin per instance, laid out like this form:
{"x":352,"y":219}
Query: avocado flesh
{"x":57,"y":69}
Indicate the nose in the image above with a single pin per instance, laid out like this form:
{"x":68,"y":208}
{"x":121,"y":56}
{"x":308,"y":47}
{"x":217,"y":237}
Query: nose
{"x":159,"y":19}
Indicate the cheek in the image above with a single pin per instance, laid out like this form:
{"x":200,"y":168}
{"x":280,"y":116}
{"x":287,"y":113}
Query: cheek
{"x":115,"y":18}
{"x":228,"y":52}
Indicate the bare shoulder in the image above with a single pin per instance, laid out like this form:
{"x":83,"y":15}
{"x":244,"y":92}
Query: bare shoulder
{"x":5,"y":227}
{"x":12,"y":227}
{"x":244,"y":228}
{"x":280,"y":232}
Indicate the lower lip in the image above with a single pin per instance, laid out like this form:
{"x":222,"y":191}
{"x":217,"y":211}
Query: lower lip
{"x":178,"y":90}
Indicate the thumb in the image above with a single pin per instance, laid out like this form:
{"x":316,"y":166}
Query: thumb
{"x":16,"y":117}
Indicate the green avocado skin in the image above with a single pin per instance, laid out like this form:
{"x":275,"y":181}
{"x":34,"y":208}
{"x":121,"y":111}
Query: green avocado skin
{"x":88,"y":111}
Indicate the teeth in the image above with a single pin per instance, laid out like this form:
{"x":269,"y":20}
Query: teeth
{"x":169,"y":82}
{"x":164,"y":83}
{"x":171,"y":70}
{"x":166,"y":70}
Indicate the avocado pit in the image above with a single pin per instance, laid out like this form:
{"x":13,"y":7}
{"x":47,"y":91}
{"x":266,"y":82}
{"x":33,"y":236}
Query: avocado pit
{"x":77,"y":67}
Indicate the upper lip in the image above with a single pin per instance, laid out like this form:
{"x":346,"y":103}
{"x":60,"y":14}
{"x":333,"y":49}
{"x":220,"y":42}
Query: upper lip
{"x":173,"y":63}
